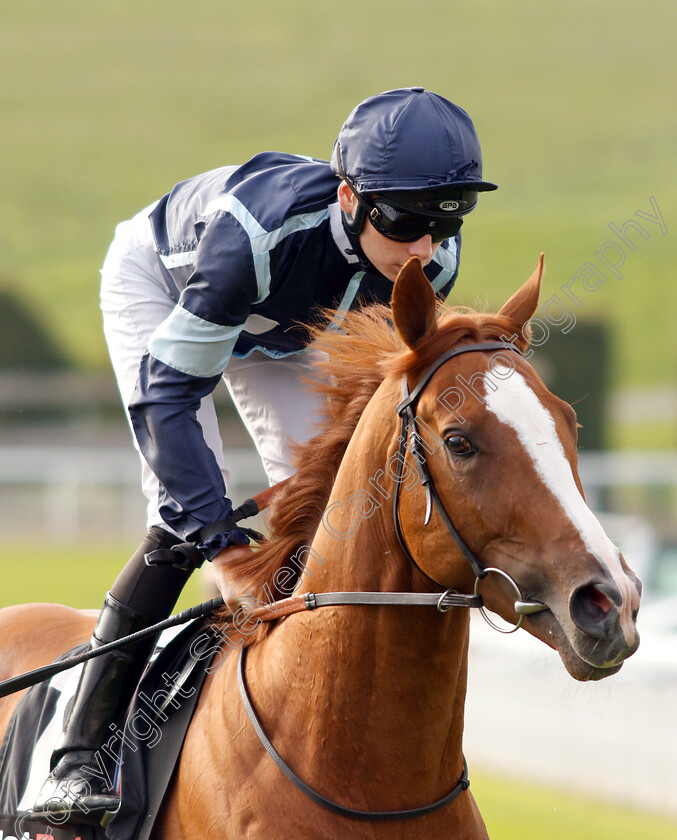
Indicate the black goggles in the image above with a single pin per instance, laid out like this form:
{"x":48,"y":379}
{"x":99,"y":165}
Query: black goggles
{"x":404,"y":225}
{"x":397,"y":221}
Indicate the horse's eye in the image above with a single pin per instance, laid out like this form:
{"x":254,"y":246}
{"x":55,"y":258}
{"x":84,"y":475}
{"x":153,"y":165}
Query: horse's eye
{"x":459,"y":445}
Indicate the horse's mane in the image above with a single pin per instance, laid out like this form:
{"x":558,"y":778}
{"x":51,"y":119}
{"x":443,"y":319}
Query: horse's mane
{"x":353,"y":356}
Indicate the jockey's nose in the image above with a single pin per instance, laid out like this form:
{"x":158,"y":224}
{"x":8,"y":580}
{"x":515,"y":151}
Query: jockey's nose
{"x":422,"y":248}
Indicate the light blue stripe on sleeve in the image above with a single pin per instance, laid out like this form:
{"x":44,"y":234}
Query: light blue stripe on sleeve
{"x":177,"y":260}
{"x":448,"y":259}
{"x":232,"y":205}
{"x":192,"y":345}
{"x":264,"y":241}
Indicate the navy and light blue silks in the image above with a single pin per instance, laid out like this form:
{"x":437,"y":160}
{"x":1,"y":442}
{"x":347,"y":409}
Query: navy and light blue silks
{"x":250,"y":255}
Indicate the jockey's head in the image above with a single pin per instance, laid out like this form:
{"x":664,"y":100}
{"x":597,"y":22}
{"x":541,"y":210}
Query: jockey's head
{"x":410,"y":162}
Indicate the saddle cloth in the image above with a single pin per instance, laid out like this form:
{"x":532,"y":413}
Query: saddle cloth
{"x":138,"y":759}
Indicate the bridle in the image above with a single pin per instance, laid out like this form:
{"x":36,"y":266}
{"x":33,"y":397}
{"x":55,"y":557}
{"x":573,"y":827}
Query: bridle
{"x":409,"y":438}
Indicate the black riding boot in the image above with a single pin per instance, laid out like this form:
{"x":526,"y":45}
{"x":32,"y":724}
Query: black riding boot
{"x":78,"y":790}
{"x":78,"y":783}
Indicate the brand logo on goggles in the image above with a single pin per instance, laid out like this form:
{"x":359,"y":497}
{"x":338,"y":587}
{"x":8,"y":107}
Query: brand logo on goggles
{"x":449,"y":206}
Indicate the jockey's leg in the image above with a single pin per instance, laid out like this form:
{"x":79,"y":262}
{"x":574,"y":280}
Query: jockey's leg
{"x":78,"y":789}
{"x":276,"y":406}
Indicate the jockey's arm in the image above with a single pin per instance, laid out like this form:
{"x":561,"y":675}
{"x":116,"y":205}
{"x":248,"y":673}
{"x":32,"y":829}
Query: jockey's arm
{"x":186,"y":357}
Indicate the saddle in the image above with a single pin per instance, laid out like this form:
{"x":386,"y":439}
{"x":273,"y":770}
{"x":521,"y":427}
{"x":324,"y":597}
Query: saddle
{"x":138,"y":759}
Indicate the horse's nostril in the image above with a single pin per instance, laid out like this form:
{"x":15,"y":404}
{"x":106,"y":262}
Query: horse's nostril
{"x":590,"y":606}
{"x":599,"y":599}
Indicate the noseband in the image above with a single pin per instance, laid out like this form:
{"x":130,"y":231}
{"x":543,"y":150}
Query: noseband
{"x":410,"y":438}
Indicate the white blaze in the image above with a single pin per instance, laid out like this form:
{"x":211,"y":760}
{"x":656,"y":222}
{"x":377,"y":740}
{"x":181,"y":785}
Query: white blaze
{"x":516,"y":404}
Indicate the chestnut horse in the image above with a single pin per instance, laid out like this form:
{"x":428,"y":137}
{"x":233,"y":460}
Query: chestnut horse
{"x":365,"y":704}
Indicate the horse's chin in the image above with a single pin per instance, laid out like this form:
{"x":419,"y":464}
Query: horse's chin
{"x":544,"y":626}
{"x":583,"y":671}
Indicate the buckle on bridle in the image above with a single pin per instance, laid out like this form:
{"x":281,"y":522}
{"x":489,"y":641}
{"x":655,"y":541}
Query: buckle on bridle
{"x":444,"y":604}
{"x":451,"y":598}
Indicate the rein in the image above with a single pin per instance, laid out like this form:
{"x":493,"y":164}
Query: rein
{"x":318,"y":798}
{"x":266,"y":612}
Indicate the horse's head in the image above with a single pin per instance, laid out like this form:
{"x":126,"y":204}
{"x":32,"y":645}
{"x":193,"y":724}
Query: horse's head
{"x":506,"y":468}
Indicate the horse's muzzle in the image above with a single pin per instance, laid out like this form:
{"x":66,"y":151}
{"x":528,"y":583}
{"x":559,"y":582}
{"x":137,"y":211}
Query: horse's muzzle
{"x":598,"y":611}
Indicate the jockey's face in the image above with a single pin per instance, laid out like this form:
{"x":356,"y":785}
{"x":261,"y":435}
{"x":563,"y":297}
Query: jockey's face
{"x":386,"y":255}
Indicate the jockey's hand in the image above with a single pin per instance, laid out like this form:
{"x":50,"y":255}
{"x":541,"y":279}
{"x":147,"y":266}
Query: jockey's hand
{"x":231,"y":592}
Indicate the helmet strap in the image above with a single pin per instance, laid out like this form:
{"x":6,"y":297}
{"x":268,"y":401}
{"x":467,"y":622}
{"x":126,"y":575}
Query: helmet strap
{"x":352,"y":229}
{"x":354,"y":224}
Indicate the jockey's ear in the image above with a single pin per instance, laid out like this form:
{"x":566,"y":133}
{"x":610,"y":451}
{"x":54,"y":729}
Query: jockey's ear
{"x":413,"y":303}
{"x":523,"y":303}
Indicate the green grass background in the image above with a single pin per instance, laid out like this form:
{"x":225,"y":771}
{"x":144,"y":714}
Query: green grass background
{"x":516,"y":811}
{"x":106,"y":105}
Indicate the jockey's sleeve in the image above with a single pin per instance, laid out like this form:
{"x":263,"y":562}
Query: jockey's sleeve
{"x":186,"y":357}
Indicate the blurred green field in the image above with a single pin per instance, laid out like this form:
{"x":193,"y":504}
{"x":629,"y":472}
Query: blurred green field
{"x":516,"y":811}
{"x":79,"y":575}
{"x":106,"y":105}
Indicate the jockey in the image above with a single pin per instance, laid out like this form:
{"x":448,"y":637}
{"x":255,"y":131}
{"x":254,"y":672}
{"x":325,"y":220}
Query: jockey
{"x":217,"y":280}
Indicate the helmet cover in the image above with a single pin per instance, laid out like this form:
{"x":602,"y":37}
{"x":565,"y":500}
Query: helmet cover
{"x":409,"y":139}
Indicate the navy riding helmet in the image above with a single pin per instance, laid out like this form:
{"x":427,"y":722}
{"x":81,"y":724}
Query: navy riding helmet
{"x":413,"y":160}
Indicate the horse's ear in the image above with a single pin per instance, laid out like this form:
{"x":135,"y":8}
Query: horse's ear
{"x":523,"y":303}
{"x":413,"y":303}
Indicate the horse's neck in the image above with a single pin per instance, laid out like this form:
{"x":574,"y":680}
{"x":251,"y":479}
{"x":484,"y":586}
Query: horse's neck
{"x":356,"y":530}
{"x":383,"y":686}
{"x":366,"y":698}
